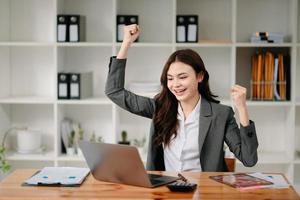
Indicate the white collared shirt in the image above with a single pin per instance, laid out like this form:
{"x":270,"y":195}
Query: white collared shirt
{"x":182,"y":154}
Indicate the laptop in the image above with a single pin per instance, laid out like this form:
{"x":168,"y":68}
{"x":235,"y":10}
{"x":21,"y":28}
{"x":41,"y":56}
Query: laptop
{"x":120,"y":164}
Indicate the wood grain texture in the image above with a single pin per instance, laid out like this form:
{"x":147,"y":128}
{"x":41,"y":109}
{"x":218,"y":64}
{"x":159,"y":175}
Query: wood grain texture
{"x":10,"y":188}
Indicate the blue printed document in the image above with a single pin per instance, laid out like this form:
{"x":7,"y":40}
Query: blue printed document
{"x":65,"y":176}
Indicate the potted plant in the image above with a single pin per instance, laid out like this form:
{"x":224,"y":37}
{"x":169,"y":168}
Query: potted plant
{"x":80,"y":134}
{"x":99,"y":138}
{"x":4,"y":165}
{"x":124,"y":138}
{"x":71,"y":141}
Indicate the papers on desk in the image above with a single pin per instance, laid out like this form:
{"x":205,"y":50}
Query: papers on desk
{"x":277,"y":179}
{"x":252,"y":181}
{"x":63,"y":176}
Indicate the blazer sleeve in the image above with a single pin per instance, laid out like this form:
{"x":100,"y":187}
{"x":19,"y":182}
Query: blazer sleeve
{"x":241,"y":141}
{"x":114,"y":90}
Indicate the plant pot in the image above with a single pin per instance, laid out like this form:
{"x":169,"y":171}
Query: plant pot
{"x":70,"y":151}
{"x":124,"y":143}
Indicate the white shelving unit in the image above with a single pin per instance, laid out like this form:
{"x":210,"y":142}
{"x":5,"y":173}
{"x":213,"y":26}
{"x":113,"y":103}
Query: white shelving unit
{"x":31,"y":58}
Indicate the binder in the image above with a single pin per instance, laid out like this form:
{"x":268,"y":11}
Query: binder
{"x":192,"y":33}
{"x":63,"y":86}
{"x":180,"y":29}
{"x":62,"y":28}
{"x":74,"y":28}
{"x":123,"y":20}
{"x":186,"y":28}
{"x":81,"y":85}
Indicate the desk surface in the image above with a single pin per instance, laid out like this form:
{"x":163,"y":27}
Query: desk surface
{"x":10,"y":188}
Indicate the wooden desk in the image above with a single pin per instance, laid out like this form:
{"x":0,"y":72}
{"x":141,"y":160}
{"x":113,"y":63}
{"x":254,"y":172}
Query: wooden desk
{"x":10,"y":188}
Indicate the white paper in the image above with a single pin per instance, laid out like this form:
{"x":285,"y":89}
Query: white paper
{"x":277,"y":179}
{"x":74,"y":90}
{"x":59,"y":175}
{"x":74,"y":33}
{"x":275,"y":79}
{"x":192,"y":31}
{"x":61,"y":28}
{"x":181,"y":34}
{"x":62,"y":90}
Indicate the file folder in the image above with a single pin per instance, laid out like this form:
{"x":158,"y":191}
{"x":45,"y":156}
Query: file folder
{"x":58,"y":176}
{"x":63,"y":86}
{"x":62,"y":28}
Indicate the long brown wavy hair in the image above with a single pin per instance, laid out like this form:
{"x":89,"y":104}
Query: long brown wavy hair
{"x":165,"y":118}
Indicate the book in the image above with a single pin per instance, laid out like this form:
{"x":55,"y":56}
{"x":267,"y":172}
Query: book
{"x":242,"y":181}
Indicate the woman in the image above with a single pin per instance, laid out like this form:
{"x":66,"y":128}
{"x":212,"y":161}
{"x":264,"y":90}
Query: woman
{"x":189,"y":126}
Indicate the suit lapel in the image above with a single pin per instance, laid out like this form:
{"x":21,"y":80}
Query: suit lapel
{"x":204,"y":122}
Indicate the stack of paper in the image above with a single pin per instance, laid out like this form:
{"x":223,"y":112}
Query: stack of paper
{"x":68,"y":176}
{"x":144,"y":87}
{"x":277,"y":179}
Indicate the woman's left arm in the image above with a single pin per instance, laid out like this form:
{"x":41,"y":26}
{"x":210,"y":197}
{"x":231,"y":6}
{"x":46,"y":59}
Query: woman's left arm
{"x":241,"y":141}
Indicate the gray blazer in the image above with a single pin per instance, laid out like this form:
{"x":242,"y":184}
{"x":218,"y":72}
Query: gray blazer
{"x":217,"y":124}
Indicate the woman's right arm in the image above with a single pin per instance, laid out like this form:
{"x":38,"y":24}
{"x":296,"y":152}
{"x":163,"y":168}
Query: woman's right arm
{"x":114,"y":88}
{"x":131,"y":33}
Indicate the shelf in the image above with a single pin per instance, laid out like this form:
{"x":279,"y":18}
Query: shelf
{"x":269,"y":103}
{"x":45,"y":156}
{"x":247,"y":22}
{"x":90,"y":101}
{"x":217,"y":26}
{"x":27,"y":44}
{"x":147,"y":44}
{"x":65,"y":157}
{"x":84,"y":44}
{"x":247,"y":44}
{"x":205,"y":43}
{"x":27,"y":100}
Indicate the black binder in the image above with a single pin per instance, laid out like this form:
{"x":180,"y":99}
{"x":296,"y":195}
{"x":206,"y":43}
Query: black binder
{"x":62,"y":28}
{"x":180,"y":28}
{"x":74,"y":86}
{"x":186,"y":28}
{"x":74,"y":28}
{"x":123,"y":20}
{"x":192,"y":28}
{"x":63,"y":86}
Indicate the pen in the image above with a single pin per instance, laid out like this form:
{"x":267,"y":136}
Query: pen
{"x":182,"y":177}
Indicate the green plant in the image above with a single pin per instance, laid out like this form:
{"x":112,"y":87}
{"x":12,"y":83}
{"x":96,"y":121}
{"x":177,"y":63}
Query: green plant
{"x":139,"y":143}
{"x":80,"y":132}
{"x":100,"y":139}
{"x":124,"y":136}
{"x":93,"y":137}
{"x":71,"y":138}
{"x":4,"y":165}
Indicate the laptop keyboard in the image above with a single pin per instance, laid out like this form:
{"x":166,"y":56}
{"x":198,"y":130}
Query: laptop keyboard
{"x":154,"y":179}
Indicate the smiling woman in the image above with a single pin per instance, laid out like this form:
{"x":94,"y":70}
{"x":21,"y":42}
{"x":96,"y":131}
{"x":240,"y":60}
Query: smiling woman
{"x":189,"y":126}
